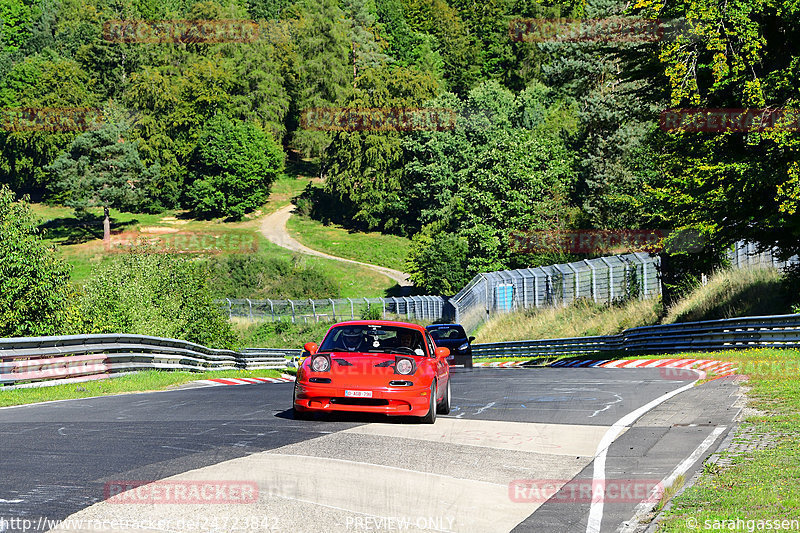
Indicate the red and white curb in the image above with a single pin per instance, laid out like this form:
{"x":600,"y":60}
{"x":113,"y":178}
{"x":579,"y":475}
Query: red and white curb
{"x":215,"y":382}
{"x":705,"y":366}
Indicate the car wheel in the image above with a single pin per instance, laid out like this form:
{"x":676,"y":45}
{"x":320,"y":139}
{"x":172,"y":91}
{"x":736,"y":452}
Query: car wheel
{"x":430,"y":418}
{"x":298,"y":415}
{"x":468,"y":363}
{"x":444,"y":406}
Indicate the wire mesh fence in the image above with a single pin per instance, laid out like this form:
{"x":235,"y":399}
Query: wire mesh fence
{"x":747,"y":254}
{"x":602,"y":280}
{"x":605,"y":279}
{"x":423,"y":308}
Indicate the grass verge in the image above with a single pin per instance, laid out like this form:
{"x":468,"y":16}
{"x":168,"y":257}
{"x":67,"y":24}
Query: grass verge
{"x":150,"y":380}
{"x":373,"y":248}
{"x":760,"y":485}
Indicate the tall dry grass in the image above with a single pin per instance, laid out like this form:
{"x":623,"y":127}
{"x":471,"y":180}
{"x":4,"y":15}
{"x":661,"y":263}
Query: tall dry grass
{"x":727,"y":294}
{"x":734,"y":293}
{"x":584,"y":318}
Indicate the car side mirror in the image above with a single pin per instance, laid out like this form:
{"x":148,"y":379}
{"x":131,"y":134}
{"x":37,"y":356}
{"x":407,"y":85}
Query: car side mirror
{"x":442,"y":353}
{"x":471,"y":339}
{"x":311,"y":347}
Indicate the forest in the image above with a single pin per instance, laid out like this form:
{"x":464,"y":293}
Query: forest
{"x":554,"y":117}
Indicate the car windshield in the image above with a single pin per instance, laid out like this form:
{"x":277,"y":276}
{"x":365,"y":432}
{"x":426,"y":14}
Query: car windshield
{"x":373,"y":339}
{"x":447,"y":333}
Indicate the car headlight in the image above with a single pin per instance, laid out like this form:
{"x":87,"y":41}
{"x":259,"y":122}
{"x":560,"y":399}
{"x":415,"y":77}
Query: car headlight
{"x":320,"y":363}
{"x":404,"y":366}
{"x":463,"y":347}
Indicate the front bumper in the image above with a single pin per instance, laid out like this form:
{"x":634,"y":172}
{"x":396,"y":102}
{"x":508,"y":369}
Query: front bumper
{"x":408,"y":401}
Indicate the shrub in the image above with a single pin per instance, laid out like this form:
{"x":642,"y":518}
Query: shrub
{"x":155,"y":294}
{"x":35,"y":295}
{"x":260,"y":277}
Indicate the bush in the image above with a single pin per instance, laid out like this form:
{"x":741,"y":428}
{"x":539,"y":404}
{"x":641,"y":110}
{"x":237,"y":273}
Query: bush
{"x":282,"y":334}
{"x":155,"y":294}
{"x":260,"y":277}
{"x":233,"y":166}
{"x":35,"y":295}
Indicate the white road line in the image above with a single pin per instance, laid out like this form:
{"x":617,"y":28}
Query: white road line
{"x":485,"y":407}
{"x":599,"y":471}
{"x":608,"y":406}
{"x":643,"y":508}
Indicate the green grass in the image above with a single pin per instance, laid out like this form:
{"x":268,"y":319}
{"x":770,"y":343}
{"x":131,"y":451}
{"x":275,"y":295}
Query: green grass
{"x":762,"y":484}
{"x":279,"y":334}
{"x":351,"y":281}
{"x":150,"y":380}
{"x":373,"y":248}
{"x":82,"y":247}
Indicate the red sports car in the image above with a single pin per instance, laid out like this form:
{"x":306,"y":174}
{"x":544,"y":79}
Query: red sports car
{"x":392,"y":368}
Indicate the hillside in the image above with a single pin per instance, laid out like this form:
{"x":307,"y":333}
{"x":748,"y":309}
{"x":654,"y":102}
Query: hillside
{"x":728,"y":294}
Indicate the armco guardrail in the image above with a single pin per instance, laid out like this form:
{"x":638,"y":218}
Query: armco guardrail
{"x":780,"y":331}
{"x":41,"y":361}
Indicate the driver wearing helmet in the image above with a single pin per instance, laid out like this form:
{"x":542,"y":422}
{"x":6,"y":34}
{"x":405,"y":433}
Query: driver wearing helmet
{"x":351,"y":339}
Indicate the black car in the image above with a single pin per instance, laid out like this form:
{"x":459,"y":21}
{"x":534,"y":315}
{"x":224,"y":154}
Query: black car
{"x":454,"y":337}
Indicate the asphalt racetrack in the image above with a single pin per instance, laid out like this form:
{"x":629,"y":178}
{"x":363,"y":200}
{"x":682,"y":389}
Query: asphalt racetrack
{"x":521,"y":450}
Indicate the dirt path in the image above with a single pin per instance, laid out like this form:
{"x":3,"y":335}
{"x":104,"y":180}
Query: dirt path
{"x":273,"y":227}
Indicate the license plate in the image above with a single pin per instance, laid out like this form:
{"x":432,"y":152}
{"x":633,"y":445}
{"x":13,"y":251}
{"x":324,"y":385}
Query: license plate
{"x":358,"y":393}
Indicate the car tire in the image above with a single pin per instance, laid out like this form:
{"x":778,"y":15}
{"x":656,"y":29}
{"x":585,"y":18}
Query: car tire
{"x":468,"y":363}
{"x":443,"y":408}
{"x":430,"y":418}
{"x":298,"y":415}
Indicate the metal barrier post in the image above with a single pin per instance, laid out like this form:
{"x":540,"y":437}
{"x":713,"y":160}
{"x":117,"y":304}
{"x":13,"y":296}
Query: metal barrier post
{"x":594,"y":280}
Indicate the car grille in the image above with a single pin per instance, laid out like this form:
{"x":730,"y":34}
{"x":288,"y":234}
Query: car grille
{"x":374,"y":402}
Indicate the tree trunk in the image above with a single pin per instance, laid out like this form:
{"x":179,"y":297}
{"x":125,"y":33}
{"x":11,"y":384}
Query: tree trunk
{"x":106,"y":225}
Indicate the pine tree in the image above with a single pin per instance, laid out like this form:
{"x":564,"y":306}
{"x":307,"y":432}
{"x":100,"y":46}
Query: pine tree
{"x":101,"y":169}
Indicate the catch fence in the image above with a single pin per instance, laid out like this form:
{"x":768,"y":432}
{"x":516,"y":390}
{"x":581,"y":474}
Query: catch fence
{"x":422,"y":308}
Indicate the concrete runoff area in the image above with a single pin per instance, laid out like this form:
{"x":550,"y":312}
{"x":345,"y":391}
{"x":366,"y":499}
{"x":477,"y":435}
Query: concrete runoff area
{"x":370,"y":473}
